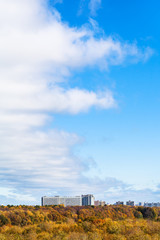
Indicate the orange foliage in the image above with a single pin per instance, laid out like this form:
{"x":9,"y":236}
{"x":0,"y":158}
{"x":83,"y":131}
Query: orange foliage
{"x":80,"y":222}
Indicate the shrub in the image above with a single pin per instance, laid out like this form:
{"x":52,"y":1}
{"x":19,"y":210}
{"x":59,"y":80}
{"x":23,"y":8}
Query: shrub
{"x":3,"y":220}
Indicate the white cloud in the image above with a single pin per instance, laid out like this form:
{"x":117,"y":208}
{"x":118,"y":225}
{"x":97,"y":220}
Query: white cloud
{"x":37,"y":53}
{"x":36,"y":156}
{"x":28,"y":96}
{"x":11,"y":193}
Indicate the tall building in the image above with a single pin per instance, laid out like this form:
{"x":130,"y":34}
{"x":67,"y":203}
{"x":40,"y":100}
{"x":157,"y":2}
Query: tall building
{"x":88,"y":200}
{"x":140,"y":204}
{"x":66,"y":201}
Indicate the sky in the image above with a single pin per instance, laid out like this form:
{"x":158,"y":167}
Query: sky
{"x":79,"y":100}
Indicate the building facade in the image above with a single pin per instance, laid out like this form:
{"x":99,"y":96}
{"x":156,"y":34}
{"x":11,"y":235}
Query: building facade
{"x":88,"y":200}
{"x":99,"y":203}
{"x":146,"y":204}
{"x":141,"y":204}
{"x":119,"y":203}
{"x":66,"y":201}
{"x":83,"y":200}
{"x":130,"y":203}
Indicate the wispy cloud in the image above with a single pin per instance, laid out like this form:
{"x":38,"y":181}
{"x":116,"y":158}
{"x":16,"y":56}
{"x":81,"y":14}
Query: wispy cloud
{"x":94,"y":5}
{"x":8,"y":194}
{"x":38,"y":53}
{"x":57,"y":1}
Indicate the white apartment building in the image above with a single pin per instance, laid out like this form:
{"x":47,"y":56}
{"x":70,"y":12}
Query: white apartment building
{"x":66,"y":201}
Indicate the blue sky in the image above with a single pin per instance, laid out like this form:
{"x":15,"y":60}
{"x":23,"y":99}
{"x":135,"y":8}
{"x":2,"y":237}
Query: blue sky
{"x":79,"y":99}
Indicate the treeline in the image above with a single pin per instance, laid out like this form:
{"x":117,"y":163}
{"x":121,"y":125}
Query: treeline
{"x":80,"y":222}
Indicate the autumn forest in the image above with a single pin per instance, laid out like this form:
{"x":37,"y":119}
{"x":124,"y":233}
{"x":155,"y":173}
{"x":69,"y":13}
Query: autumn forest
{"x":74,"y":223}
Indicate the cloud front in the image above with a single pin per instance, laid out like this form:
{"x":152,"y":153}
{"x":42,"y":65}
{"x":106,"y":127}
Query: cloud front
{"x":38,"y":52}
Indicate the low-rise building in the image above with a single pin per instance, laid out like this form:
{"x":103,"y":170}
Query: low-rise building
{"x":147,"y":204}
{"x":119,"y":203}
{"x":99,"y":203}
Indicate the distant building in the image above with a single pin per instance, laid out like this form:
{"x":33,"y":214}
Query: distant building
{"x":66,"y":201}
{"x":85,"y":200}
{"x":96,"y":203}
{"x":146,"y":204}
{"x":156,"y":204}
{"x":119,"y":203}
{"x":140,"y":204}
{"x":88,"y":200}
{"x":99,"y":203}
{"x":130,"y":203}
